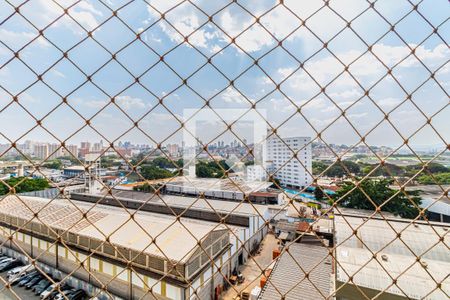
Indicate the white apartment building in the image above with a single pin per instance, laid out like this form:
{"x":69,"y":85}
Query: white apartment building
{"x":256,"y":173}
{"x":291,"y":171}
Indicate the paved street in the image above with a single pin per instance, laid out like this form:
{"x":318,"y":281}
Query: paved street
{"x":252,"y":268}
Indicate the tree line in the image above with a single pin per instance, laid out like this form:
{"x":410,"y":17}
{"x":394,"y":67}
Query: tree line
{"x":344,"y":168}
{"x":23,"y":185}
{"x":160,"y":168}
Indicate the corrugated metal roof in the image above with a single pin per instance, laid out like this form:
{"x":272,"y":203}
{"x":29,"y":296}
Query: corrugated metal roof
{"x":174,"y":240}
{"x":355,"y":256}
{"x":288,"y":277}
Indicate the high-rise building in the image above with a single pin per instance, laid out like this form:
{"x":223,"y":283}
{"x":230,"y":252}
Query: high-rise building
{"x":41,"y":151}
{"x":256,"y":173}
{"x":97,"y":147}
{"x":85,"y":145}
{"x":28,"y":147}
{"x":54,"y":151}
{"x":70,"y":150}
{"x":289,"y":159}
{"x":173,"y":150}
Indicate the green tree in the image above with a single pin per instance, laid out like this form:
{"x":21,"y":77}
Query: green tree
{"x":433,"y":168}
{"x":338,"y":170}
{"x":386,"y":170}
{"x":211,"y":169}
{"x":249,"y":163}
{"x":378,"y":191}
{"x":22,"y":185}
{"x":440,"y":178}
{"x":110,"y":161}
{"x":151,"y":172}
{"x":318,"y":193}
{"x":164,"y":163}
{"x":318,"y":167}
{"x":53,"y":164}
{"x":202,"y":170}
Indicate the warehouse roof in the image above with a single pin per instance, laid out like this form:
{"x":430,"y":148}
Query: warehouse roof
{"x":288,"y":277}
{"x":238,"y":207}
{"x":176,"y":240}
{"x":396,"y":257}
{"x":75,"y":168}
{"x":218,"y":184}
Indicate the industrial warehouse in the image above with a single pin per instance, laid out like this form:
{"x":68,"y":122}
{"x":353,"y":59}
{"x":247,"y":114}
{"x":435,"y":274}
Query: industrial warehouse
{"x":171,"y":258}
{"x":134,"y":245}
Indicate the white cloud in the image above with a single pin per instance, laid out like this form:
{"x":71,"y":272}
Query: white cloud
{"x":233,"y":20}
{"x":357,"y":115}
{"x":43,"y":12}
{"x":88,"y":7}
{"x":90,"y":103}
{"x":58,"y":73}
{"x":388,"y":102}
{"x":128,"y":102}
{"x":17,"y":39}
{"x":85,"y":18}
{"x":27,"y":98}
{"x":231,"y":95}
{"x":366,"y":68}
{"x":347,"y":94}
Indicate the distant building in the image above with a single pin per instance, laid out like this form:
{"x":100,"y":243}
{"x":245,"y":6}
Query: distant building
{"x":82,"y":152}
{"x":97,"y":146}
{"x":85,"y":145}
{"x":173,"y":150}
{"x":291,"y":171}
{"x":256,"y":173}
{"x":74,"y":171}
{"x":28,"y":147}
{"x":41,"y":151}
{"x":70,"y":150}
{"x":54,"y":151}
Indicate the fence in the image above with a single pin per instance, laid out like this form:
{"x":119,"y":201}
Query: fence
{"x":334,"y":112}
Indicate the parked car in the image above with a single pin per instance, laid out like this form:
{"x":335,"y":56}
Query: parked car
{"x":5,"y":260}
{"x":41,"y":286}
{"x":28,"y":277}
{"x":67,"y":293}
{"x":77,"y":295}
{"x":33,"y":281}
{"x":45,"y":294}
{"x":19,"y":273}
{"x":2,"y":258}
{"x":20,"y":270}
{"x":53,"y":293}
{"x":10,"y":265}
{"x":17,"y":278}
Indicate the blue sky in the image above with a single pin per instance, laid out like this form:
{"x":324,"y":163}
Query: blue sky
{"x":321,"y":111}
